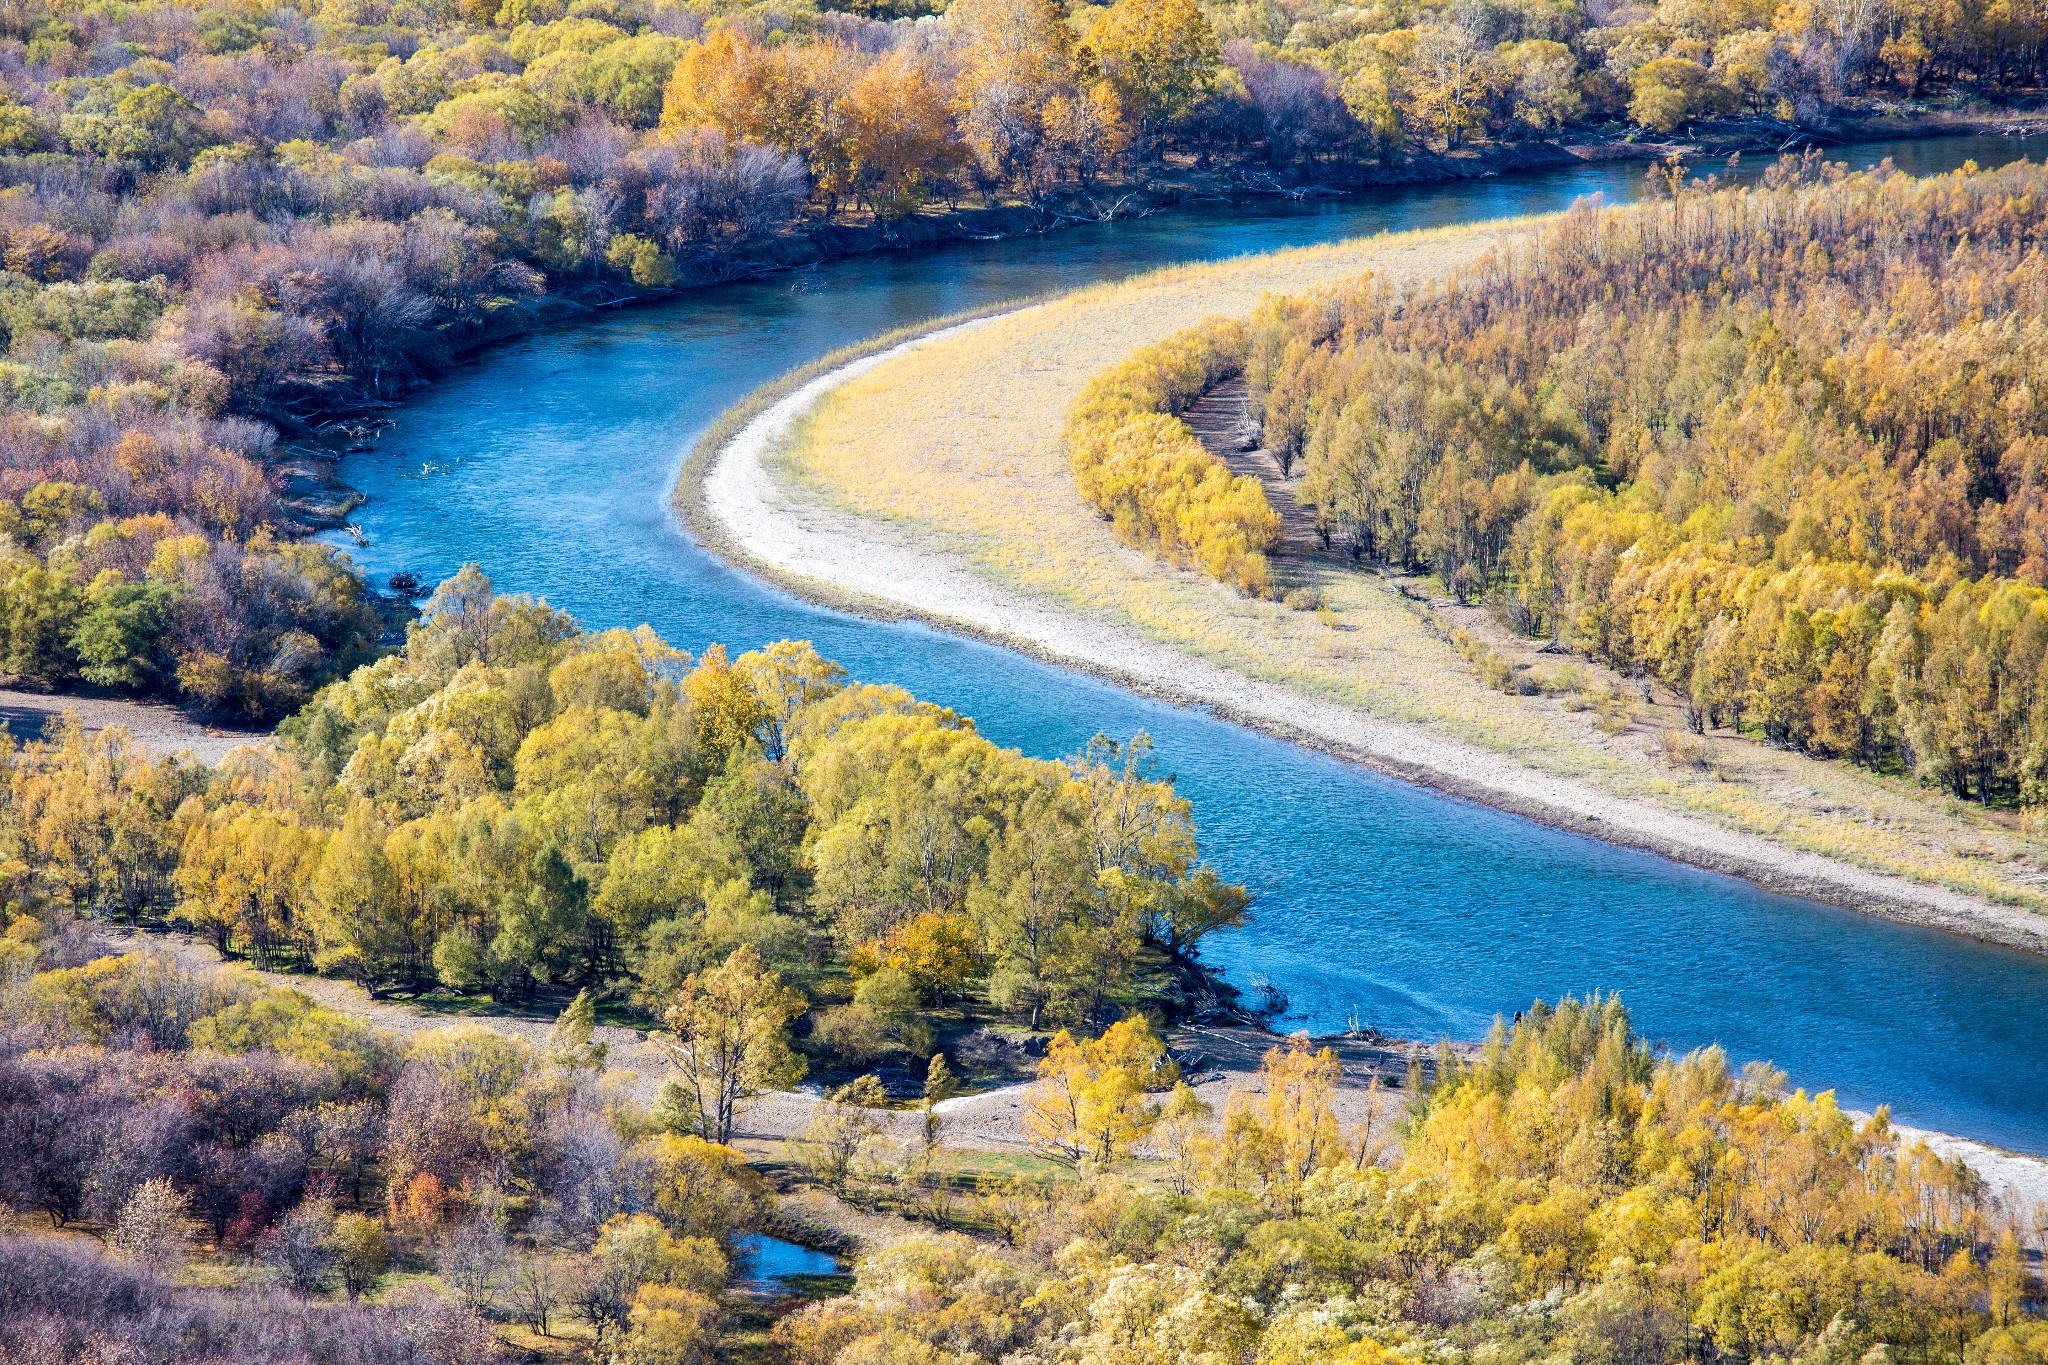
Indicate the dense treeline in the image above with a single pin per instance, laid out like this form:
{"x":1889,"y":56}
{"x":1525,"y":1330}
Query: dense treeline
{"x":1140,"y":465}
{"x":197,"y":1116}
{"x":780,"y":866}
{"x":1564,"y":1192}
{"x":218,"y":221}
{"x":511,"y":804}
{"x":1564,"y":1196}
{"x":1779,"y":449}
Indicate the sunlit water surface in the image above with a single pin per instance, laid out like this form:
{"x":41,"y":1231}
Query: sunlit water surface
{"x":549,"y":462}
{"x":772,"y":1263}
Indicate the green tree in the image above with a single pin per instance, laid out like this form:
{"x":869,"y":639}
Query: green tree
{"x":843,"y":1123}
{"x":1038,"y":886}
{"x":119,"y":637}
{"x":572,"y":1042}
{"x":39,"y":611}
{"x":153,"y":125}
{"x":755,"y":810}
{"x":641,"y":260}
{"x":662,"y":875}
{"x":939,"y":1086}
{"x":19,"y":130}
{"x":728,"y":1039}
{"x":1670,"y":90}
{"x":542,"y":927}
{"x":361,"y":1253}
{"x":356,"y":921}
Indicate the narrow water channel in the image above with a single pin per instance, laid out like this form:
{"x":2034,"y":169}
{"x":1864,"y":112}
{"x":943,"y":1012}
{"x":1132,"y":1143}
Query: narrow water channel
{"x":549,"y":461}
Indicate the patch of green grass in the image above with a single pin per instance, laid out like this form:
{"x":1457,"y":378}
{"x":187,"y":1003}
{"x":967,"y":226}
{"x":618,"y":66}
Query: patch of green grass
{"x":813,"y":1288}
{"x":977,"y":1164}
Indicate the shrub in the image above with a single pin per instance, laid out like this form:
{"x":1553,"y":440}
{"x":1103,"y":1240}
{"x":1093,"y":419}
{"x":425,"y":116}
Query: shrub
{"x":1494,"y":666}
{"x":1682,"y":750}
{"x":1137,"y":463}
{"x":154,"y":1226}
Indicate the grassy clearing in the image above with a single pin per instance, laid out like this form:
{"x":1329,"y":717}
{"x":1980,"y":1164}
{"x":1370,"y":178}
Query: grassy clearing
{"x":958,"y":447}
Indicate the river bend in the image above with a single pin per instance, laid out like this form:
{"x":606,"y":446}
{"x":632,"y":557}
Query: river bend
{"x":549,"y":462}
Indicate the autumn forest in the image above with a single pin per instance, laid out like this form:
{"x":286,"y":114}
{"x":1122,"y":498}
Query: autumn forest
{"x":529,"y":975}
{"x":226,"y":226}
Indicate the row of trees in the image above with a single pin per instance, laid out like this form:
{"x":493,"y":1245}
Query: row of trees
{"x":1777,"y":449}
{"x":1137,"y":463}
{"x":1564,"y":1193}
{"x":197,"y":1115}
{"x":511,"y":803}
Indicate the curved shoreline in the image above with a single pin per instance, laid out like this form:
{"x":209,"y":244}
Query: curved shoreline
{"x":731,"y":501}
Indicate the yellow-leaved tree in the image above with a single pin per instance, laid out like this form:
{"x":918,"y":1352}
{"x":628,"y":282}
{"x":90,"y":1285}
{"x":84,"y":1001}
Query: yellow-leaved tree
{"x":1090,"y":1102}
{"x":728,"y":1039}
{"x":242,"y":876}
{"x":1276,"y":1137}
{"x":1159,"y":56}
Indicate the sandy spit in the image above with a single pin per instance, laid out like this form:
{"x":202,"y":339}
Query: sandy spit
{"x":733,"y":500}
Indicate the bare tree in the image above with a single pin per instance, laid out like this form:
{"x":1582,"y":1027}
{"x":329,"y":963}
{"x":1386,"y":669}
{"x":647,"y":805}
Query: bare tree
{"x":537,"y":1286}
{"x":709,"y":199}
{"x":300,"y":1248}
{"x":1303,"y":113}
{"x":475,"y":1261}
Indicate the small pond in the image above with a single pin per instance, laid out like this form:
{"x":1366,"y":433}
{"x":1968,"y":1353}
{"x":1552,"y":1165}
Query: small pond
{"x":772,"y":1263}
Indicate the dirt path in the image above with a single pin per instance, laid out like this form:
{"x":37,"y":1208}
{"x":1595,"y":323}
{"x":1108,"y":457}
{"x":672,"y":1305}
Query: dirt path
{"x":160,"y":728}
{"x":1220,"y":420}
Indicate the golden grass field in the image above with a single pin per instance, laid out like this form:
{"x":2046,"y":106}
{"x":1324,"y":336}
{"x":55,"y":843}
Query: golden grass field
{"x":958,"y":445}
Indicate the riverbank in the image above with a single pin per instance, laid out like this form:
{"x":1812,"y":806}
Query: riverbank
{"x":326,"y":433}
{"x":1169,"y":187}
{"x":927,"y":478}
{"x":992,"y":1121}
{"x":1218,"y":1059}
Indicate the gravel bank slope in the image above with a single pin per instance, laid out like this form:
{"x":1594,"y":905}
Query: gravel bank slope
{"x":161,"y":729}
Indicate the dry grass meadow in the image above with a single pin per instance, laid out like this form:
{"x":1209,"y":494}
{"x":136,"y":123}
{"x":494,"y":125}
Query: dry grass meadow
{"x":957,"y":446}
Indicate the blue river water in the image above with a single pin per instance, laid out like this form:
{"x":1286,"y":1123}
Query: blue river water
{"x":549,"y":462}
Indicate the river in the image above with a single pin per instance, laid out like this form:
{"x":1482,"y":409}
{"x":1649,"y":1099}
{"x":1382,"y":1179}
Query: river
{"x":549,"y":462}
